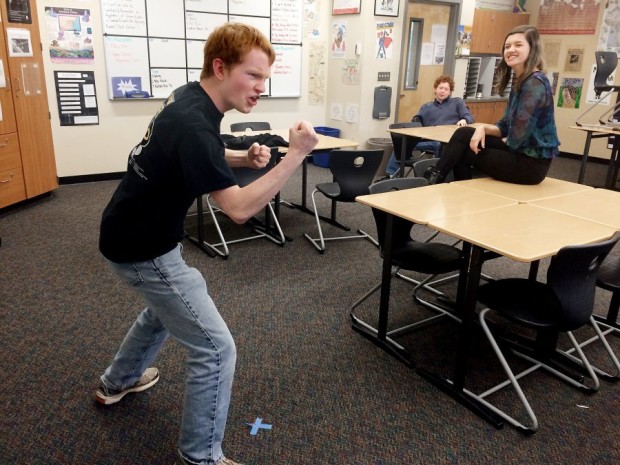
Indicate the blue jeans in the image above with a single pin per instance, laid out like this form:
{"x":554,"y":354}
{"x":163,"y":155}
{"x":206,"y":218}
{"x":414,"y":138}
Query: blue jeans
{"x":393,"y":164}
{"x":179,"y":305}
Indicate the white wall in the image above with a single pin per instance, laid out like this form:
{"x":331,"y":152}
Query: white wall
{"x":84,"y":150}
{"x":103,"y":148}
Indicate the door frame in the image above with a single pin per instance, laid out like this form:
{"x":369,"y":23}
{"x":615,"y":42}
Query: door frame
{"x":450,"y":60}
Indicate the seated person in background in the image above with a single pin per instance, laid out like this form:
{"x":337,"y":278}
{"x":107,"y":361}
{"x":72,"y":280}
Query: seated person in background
{"x":444,"y":109}
{"x":520,"y":146}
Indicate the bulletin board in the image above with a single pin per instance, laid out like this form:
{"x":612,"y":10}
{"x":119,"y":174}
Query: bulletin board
{"x":154,"y":46}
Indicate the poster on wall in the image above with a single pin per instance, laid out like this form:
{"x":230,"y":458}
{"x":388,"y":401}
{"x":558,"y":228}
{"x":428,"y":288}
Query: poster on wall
{"x":20,"y":44}
{"x":386,"y":7}
{"x":77,"y":98}
{"x":570,"y":93}
{"x":339,"y":39}
{"x":70,"y":35}
{"x":560,"y":17}
{"x":346,"y":7}
{"x":18,"y":11}
{"x":609,"y":37}
{"x":574,"y":60}
{"x":385,"y":31}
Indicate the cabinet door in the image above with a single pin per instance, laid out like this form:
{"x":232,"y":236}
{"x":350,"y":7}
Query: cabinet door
{"x":491,"y":27}
{"x":7,"y":121}
{"x":484,"y":34}
{"x":482,"y":112}
{"x":498,"y":110}
{"x":31,"y":109}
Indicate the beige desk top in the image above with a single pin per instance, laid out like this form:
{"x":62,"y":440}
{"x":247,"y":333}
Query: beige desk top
{"x":424,"y":204}
{"x":549,"y":188}
{"x":598,"y":205}
{"x":439,"y":133}
{"x":325,"y":142}
{"x":522,"y":232}
{"x":596,"y":128}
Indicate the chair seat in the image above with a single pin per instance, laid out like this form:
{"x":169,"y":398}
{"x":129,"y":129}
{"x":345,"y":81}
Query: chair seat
{"x":608,"y":275}
{"x":427,"y":258}
{"x":332,"y":191}
{"x":531,"y":303}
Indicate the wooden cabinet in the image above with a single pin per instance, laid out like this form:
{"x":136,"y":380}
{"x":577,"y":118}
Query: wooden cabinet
{"x":27,"y":163}
{"x":490,"y":28}
{"x":12,"y":187}
{"x":487,"y":112}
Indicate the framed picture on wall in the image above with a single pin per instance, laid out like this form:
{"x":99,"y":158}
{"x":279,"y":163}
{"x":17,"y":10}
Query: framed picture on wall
{"x":346,"y":7}
{"x":386,"y":7}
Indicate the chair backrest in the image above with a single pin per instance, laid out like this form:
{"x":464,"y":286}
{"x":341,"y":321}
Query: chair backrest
{"x":606,"y":63}
{"x":245,"y":175}
{"x":398,"y":139}
{"x":420,"y":166}
{"x":609,"y":273}
{"x":572,"y":275}
{"x":354,"y":171}
{"x":401,"y":228}
{"x":252,"y":126}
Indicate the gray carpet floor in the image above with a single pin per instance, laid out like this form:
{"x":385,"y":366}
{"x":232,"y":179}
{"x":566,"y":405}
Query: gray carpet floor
{"x":330,"y":395}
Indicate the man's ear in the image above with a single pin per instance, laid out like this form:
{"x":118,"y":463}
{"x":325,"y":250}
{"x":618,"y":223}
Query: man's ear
{"x":219,"y":67}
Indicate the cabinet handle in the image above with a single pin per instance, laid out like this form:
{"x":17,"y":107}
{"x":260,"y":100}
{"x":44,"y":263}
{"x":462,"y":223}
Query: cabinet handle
{"x":4,"y":181}
{"x":6,"y":142}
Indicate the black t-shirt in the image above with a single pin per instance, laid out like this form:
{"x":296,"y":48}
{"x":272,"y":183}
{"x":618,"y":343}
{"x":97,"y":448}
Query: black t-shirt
{"x":180,"y":158}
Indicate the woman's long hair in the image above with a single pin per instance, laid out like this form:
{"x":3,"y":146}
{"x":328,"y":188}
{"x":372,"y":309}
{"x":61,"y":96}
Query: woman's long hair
{"x":534,"y":60}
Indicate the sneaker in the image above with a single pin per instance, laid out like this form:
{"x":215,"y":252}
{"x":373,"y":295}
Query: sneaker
{"x":433,"y":176}
{"x":222,"y":461}
{"x":107,"y":396}
{"x":225,"y":461}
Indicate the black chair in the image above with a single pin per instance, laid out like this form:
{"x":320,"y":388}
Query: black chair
{"x":270,"y":229}
{"x":397,"y":142}
{"x":606,"y":63}
{"x":563,"y":304}
{"x":420,"y":166}
{"x":252,"y":126}
{"x":429,"y":258}
{"x":353,"y":172}
{"x":609,"y":279}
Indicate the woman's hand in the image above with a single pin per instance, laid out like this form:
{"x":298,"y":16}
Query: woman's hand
{"x":461,"y":122}
{"x":477,"y":140}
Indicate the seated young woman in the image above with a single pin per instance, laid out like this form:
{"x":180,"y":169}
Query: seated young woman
{"x":518,"y":148}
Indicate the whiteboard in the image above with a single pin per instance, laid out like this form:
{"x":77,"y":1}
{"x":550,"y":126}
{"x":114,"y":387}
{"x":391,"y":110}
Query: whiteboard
{"x":155,"y":46}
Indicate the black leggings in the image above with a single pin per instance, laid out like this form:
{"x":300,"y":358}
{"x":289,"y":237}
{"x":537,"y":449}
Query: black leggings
{"x":495,"y":160}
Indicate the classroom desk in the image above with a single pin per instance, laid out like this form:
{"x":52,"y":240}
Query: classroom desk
{"x":519,"y":231}
{"x":420,"y":205}
{"x":441,"y":134}
{"x":324,"y":143}
{"x":598,"y":205}
{"x":549,"y":188}
{"x":595,"y":132}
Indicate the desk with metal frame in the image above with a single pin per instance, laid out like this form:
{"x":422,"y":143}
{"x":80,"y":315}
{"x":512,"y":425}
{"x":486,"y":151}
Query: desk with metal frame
{"x":324,"y":143}
{"x":522,"y":232}
{"x":596,"y":132}
{"x":420,"y":205}
{"x":599,"y":205}
{"x":441,"y":134}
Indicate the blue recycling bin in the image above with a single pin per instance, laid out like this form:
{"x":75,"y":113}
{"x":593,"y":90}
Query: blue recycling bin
{"x":321,"y":158}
